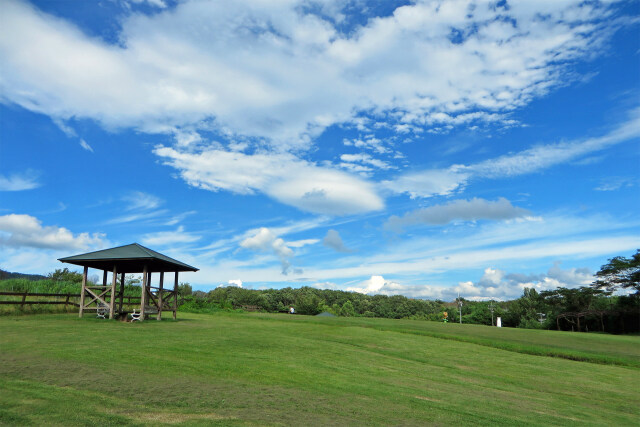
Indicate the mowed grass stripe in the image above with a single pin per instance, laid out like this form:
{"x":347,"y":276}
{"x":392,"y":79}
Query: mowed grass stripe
{"x":608,"y":349}
{"x":275,"y":370}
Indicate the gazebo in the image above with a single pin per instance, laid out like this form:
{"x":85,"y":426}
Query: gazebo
{"x":133,"y":258}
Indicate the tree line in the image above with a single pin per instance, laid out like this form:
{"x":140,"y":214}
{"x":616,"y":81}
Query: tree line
{"x":587,"y":308}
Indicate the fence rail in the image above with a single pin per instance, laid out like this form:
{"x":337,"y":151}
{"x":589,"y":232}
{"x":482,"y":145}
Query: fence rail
{"x":127,"y":299}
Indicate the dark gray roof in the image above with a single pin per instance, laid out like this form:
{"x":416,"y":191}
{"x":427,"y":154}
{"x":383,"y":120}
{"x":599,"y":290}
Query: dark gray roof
{"x":128,"y":259}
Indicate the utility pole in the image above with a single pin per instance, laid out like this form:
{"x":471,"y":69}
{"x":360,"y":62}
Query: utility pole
{"x":491,"y":307}
{"x":460,"y":307}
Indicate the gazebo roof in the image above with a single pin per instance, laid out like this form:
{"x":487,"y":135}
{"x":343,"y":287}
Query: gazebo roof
{"x":128,"y":259}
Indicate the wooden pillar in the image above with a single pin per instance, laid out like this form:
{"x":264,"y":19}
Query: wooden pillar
{"x":160,"y":296}
{"x":121,"y":293}
{"x":104,"y":278}
{"x":175,"y":297}
{"x":112,"y":301}
{"x":143,"y":296}
{"x":84,"y":286}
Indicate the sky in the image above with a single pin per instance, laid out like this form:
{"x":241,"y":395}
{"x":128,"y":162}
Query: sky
{"x":422,"y":148}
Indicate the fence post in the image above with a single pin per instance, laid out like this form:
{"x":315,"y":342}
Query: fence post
{"x":24,"y":297}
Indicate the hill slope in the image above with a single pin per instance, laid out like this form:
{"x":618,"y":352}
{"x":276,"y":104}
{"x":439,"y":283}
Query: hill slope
{"x":244,"y":369}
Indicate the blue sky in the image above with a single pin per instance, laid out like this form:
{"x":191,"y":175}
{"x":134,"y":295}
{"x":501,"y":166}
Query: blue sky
{"x":418,"y":148}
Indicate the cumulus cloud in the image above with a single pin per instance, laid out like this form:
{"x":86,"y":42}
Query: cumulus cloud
{"x":373,"y":285}
{"x":235,"y":282}
{"x":465,"y":210}
{"x":20,"y":231}
{"x":378,"y":285}
{"x":19,"y":181}
{"x":498,"y":284}
{"x":494,"y":284}
{"x":430,"y":62}
{"x":334,"y":241}
{"x":265,"y":240}
{"x":282,"y":176}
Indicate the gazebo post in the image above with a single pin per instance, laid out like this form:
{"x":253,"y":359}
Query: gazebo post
{"x":121,"y":293}
{"x":84,"y":286}
{"x":175,"y":297}
{"x":112,"y":302}
{"x":104,"y":278}
{"x":149,"y":292}
{"x":143,"y":296}
{"x":160,"y":296}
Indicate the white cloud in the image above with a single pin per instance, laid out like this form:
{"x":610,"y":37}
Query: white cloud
{"x":465,"y":210}
{"x":157,"y":3}
{"x":137,"y":200}
{"x":433,"y":182}
{"x":265,"y":240}
{"x":139,"y":206}
{"x":615,"y":183}
{"x":163,"y":238}
{"x":362,"y":163}
{"x":428,"y":62}
{"x":334,"y":241}
{"x":373,"y":285}
{"x":284,"y":177}
{"x":235,"y":282}
{"x":498,"y":284}
{"x":20,"y":231}
{"x":494,"y":284}
{"x":301,"y":243}
{"x":19,"y":181}
{"x":85,"y":145}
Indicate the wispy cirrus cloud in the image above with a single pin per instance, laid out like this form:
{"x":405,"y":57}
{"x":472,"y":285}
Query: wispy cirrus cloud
{"x":432,"y":182}
{"x":139,"y":206}
{"x":162,"y":238}
{"x":27,"y":180}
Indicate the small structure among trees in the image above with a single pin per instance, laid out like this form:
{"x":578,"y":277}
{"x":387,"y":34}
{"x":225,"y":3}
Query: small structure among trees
{"x":133,"y":258}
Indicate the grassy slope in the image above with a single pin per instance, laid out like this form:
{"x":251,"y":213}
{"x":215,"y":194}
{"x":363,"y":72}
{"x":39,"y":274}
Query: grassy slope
{"x":275,"y":369}
{"x":597,"y":348}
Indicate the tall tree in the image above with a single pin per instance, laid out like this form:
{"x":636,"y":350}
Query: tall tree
{"x":620,"y":273}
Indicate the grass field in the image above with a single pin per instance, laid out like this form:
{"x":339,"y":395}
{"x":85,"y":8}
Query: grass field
{"x":261,"y":369}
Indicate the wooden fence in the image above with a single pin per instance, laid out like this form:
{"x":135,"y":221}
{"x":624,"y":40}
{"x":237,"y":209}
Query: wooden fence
{"x":66,"y":299}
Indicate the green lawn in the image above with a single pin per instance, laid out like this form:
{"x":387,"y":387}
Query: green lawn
{"x":259,"y":369}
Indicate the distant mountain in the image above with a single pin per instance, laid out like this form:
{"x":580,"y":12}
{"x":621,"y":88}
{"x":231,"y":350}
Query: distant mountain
{"x":9,"y":275}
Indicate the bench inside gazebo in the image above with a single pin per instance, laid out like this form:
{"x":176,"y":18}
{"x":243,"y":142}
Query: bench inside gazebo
{"x":133,"y":258}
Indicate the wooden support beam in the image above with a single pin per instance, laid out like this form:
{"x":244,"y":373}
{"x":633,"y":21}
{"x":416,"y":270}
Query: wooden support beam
{"x":160,"y":296}
{"x":84,"y":287}
{"x":104,"y":278}
{"x":175,"y":301}
{"x":152,"y":298}
{"x":121,"y":292}
{"x":96,"y":297}
{"x":143,"y":297}
{"x":112,"y":301}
